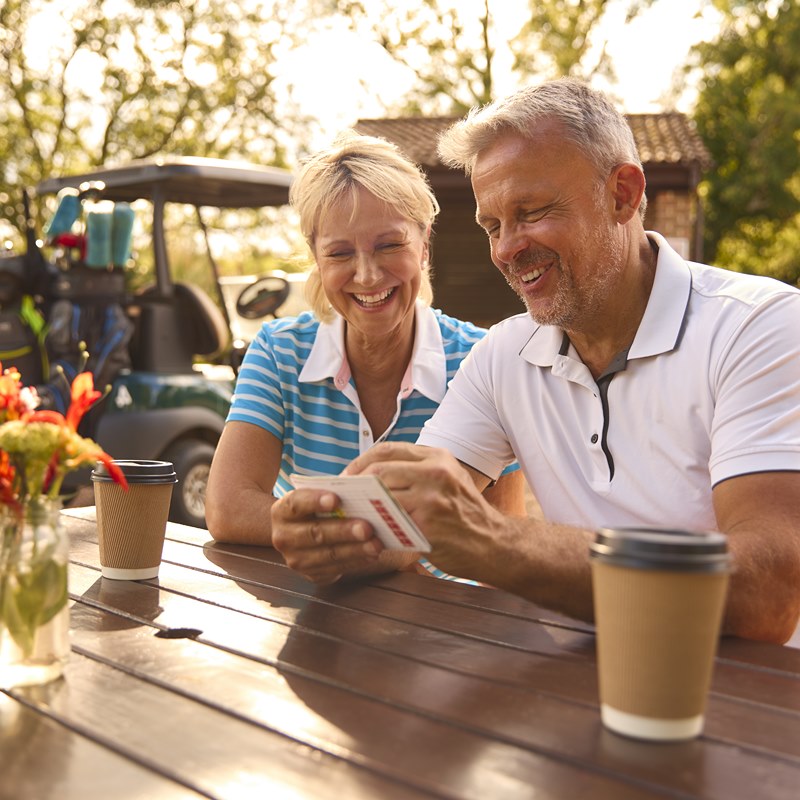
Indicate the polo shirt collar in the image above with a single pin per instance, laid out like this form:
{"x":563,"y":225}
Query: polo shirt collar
{"x":660,"y":328}
{"x":427,"y":372}
{"x":662,"y":323}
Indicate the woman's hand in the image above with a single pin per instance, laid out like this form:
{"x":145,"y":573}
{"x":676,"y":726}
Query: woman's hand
{"x":319,"y":546}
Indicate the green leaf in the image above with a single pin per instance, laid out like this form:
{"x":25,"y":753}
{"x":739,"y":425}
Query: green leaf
{"x":55,"y":579}
{"x":21,"y":632}
{"x":32,"y":599}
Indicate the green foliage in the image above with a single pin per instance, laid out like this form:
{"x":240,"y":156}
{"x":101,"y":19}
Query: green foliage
{"x":445,"y":46}
{"x":122,"y":80}
{"x":558,"y":38}
{"x":451,"y":46}
{"x":748,"y":114}
{"x":763,"y":247}
{"x":31,"y":597}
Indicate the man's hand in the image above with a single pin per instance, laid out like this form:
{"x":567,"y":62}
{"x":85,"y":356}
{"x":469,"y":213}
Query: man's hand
{"x":543,"y":562}
{"x":443,"y":497}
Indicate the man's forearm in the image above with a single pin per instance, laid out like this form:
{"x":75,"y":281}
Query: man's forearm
{"x":550,"y":567}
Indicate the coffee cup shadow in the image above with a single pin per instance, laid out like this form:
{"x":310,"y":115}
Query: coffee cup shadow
{"x":140,"y":602}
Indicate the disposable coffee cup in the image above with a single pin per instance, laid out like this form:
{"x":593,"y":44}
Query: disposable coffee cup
{"x":131,"y":523}
{"x":659,"y":597}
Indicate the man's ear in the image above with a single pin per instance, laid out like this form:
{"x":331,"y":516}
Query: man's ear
{"x":627,"y":186}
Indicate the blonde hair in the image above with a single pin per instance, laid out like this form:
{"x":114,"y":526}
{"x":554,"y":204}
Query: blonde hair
{"x":334,"y":175}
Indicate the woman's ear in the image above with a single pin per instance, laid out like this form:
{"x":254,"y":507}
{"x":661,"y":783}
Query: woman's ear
{"x":627,"y":185}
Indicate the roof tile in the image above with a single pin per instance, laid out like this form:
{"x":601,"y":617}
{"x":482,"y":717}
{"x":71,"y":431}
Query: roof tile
{"x":667,"y":138}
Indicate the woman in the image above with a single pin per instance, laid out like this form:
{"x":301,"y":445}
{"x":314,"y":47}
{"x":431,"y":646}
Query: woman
{"x":370,"y":363}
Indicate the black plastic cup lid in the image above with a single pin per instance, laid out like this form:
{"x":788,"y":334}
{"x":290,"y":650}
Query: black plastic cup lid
{"x":138,"y":471}
{"x":662,"y":548}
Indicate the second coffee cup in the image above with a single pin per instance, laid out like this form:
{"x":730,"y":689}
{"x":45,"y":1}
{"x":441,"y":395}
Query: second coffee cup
{"x":131,"y":523}
{"x":659,"y":597}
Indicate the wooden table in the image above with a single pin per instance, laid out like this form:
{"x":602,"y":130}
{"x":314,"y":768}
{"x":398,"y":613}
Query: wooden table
{"x":232,"y":677}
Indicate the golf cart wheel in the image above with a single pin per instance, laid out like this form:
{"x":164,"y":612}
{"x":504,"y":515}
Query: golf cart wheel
{"x":192,"y":462}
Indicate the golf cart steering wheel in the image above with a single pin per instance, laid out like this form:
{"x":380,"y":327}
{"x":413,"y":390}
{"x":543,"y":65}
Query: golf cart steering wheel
{"x":263,"y":297}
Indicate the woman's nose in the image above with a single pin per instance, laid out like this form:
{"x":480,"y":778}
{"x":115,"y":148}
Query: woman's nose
{"x":367,"y":272}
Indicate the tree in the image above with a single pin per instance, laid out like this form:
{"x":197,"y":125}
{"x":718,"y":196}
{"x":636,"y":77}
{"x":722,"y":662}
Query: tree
{"x":83,"y":84}
{"x":444,"y":45}
{"x":748,"y":113}
{"x":559,"y":36}
{"x":452,"y":47}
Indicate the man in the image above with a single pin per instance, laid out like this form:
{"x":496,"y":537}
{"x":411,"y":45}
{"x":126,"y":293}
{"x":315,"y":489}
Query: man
{"x":639,"y":389}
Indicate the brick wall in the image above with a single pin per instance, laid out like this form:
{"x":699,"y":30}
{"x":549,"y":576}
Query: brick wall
{"x":672,"y":214}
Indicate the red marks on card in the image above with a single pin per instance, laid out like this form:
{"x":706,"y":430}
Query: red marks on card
{"x":390,"y":522}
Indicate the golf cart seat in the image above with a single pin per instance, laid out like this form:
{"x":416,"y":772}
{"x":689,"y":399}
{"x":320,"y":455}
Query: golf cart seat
{"x":172,"y":331}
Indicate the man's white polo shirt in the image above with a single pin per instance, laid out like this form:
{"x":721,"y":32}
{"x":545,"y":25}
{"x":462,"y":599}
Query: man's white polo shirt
{"x":710,"y":390}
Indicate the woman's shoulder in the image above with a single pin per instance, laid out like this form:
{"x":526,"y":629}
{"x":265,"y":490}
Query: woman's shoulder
{"x":304,"y":325}
{"x":286,"y":340}
{"x":458,"y":329}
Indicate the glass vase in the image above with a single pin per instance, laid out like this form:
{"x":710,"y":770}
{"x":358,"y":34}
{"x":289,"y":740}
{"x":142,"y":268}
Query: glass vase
{"x":34,"y":613}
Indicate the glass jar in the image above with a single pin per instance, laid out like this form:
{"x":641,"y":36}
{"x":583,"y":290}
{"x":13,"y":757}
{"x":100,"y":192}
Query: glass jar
{"x":34,"y":613}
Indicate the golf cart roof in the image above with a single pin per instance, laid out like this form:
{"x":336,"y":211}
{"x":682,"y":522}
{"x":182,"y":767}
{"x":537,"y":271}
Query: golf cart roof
{"x":197,"y":181}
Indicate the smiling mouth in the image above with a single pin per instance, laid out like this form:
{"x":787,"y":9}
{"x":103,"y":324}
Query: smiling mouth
{"x":373,"y":300}
{"x":533,"y":275}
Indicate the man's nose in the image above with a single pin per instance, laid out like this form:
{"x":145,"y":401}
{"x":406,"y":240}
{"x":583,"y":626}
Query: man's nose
{"x":508,"y":245}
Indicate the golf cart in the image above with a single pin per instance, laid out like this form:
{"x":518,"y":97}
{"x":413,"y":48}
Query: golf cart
{"x":166,"y":349}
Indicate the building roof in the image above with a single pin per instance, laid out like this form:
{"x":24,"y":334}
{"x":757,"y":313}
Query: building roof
{"x":669,"y":138}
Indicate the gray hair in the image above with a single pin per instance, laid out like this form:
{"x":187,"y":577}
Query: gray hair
{"x":335,"y":174}
{"x":589,"y":119}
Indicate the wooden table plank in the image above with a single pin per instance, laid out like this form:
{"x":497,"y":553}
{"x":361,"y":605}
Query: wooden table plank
{"x":525,"y":717}
{"x":222,"y":756}
{"x":771,"y":688}
{"x":507,"y":699}
{"x":247,"y":564}
{"x":250,"y":569}
{"x":785,"y":659}
{"x":43,"y":760}
{"x":376,"y":736}
{"x":731,"y":678}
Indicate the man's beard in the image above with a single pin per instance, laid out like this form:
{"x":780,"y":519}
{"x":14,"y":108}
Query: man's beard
{"x":571,"y":303}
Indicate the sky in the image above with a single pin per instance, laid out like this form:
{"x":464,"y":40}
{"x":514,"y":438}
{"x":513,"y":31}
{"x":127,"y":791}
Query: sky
{"x":327,"y":72}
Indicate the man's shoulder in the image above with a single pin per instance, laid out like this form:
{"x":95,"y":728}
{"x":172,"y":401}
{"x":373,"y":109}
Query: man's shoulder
{"x":519,"y":327}
{"x":724,"y":284}
{"x":505,"y":339}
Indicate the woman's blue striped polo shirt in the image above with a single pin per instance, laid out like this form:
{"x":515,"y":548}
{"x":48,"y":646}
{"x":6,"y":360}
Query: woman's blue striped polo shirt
{"x":287,"y":385}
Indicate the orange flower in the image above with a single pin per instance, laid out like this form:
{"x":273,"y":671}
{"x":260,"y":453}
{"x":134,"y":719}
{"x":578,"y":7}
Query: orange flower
{"x":53,"y":417}
{"x":83,"y":397}
{"x":7,"y":493}
{"x":38,"y":448}
{"x":113,"y":470}
{"x":16,"y":401}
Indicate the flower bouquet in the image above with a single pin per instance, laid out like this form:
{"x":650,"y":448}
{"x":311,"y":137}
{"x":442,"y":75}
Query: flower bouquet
{"x":37,"y":450}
